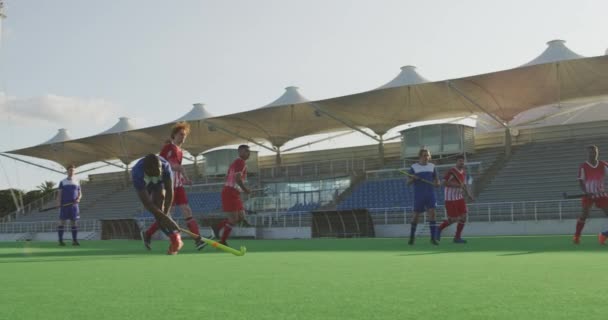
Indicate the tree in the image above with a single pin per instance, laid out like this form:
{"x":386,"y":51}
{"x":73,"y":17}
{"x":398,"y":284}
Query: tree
{"x":7,"y":205}
{"x":46,"y":187}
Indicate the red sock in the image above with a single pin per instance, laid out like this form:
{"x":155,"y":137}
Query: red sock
{"x":221,"y":225}
{"x":227,"y":230}
{"x":152,"y":229}
{"x":192,"y":226}
{"x":444,"y":225}
{"x":579,"y":228}
{"x":459,"y":228}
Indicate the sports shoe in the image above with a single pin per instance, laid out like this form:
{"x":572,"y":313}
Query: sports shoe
{"x":200,"y":244}
{"x":175,"y":245}
{"x":434,"y":242}
{"x":75,"y":243}
{"x":61,"y":243}
{"x":601,"y":238}
{"x":146,"y":240}
{"x":411,"y":241}
{"x":459,"y":240}
{"x":438,"y":234}
{"x":576,"y":240}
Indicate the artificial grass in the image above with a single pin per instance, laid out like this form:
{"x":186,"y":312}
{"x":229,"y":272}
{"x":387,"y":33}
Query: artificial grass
{"x":488,"y":278}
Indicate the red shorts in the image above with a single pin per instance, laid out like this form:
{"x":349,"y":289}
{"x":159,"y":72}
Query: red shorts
{"x":456,"y":208}
{"x":179,"y":196}
{"x":231,"y":200}
{"x":588,"y":202}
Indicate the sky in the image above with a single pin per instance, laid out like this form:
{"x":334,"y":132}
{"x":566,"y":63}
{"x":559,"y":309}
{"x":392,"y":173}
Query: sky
{"x":82,"y":64}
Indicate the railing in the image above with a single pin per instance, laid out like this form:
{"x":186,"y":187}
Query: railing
{"x":315,"y":169}
{"x":478,"y":212}
{"x":30,"y":207}
{"x":47,"y":226}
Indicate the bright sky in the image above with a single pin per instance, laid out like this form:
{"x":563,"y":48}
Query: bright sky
{"x":81,"y":64}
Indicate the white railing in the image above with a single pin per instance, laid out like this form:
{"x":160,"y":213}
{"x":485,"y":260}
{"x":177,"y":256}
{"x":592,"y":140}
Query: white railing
{"x":478,"y":212}
{"x":47,"y":226}
{"x":30,"y":207}
{"x":315,"y":169}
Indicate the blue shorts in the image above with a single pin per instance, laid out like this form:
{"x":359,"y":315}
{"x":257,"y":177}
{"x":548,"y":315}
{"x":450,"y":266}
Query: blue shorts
{"x":70,"y":212}
{"x":424,"y":202}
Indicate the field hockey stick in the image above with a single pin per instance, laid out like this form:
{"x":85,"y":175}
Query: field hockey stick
{"x":215,"y":244}
{"x":416,"y":177}
{"x":578,"y":195}
{"x":55,"y":207}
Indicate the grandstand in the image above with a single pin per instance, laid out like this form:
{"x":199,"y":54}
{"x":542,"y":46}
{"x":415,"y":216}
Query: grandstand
{"x":525,"y":186}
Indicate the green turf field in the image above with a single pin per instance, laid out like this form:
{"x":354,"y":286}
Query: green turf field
{"x":489,"y":278}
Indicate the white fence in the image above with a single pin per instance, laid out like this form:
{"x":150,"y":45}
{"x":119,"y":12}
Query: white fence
{"x":478,"y":212}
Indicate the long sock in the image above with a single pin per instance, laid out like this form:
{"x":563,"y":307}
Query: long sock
{"x":444,"y":225}
{"x":459,"y":228}
{"x":605,"y":233}
{"x":152,"y":229}
{"x":60,"y":230}
{"x":413,"y":230}
{"x":74,"y":233}
{"x":433,"y":227}
{"x":192,"y":225}
{"x":580,"y":224}
{"x":220,"y":226}
{"x":227,"y":230}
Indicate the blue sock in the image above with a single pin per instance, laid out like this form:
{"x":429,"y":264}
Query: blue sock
{"x":413,"y":230}
{"x":74,"y":233}
{"x":433,"y":227}
{"x":60,"y":233}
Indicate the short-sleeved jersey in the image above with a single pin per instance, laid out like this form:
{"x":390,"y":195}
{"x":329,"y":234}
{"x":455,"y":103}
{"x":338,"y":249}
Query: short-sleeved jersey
{"x":174,"y":155}
{"x":426,"y":172}
{"x":141,"y":181}
{"x":452,"y":193}
{"x":70,"y":189}
{"x":593,"y":176}
{"x":237,"y":165}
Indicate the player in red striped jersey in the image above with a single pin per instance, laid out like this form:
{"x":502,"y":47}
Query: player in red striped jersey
{"x":591,"y":180}
{"x":455,"y":205}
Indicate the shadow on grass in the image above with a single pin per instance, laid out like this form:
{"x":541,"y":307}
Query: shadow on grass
{"x":12,"y":252}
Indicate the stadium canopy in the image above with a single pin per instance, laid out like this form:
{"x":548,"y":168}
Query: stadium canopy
{"x":501,"y":95}
{"x":288,"y":117}
{"x":62,"y":149}
{"x":202,"y":137}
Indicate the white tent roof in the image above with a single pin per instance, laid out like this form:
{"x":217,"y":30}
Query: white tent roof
{"x":407,"y":76}
{"x":198,"y":112}
{"x":61,"y":136}
{"x":123,"y":124}
{"x":290,"y":96}
{"x":556,"y":51}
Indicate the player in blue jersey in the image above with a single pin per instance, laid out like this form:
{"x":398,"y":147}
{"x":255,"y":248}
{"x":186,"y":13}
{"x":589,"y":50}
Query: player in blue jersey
{"x":153,"y":181}
{"x":423,"y":176}
{"x":68,"y":197}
